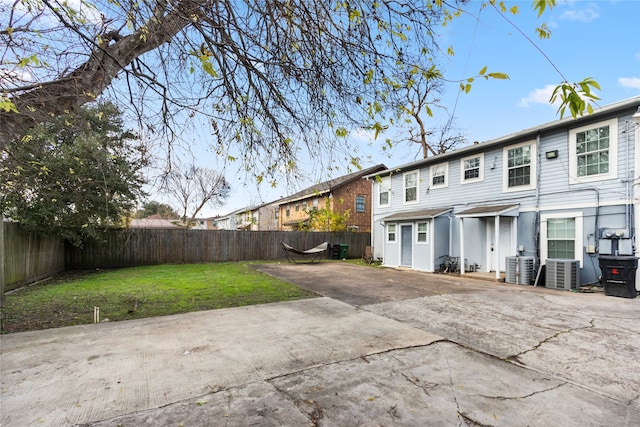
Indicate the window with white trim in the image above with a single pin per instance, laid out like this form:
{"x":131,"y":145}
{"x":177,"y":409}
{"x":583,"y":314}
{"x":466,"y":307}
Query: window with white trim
{"x":561,"y":236}
{"x":391,"y":233}
{"x":472,"y":168}
{"x":423,"y":232}
{"x":519,"y":167}
{"x":384,"y":192}
{"x":593,"y":152}
{"x":410,"y":180}
{"x":360,"y":203}
{"x":439,"y":174}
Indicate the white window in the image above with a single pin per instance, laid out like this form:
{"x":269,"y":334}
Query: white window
{"x":593,"y":152}
{"x":410,"y":187}
{"x":315,"y":204}
{"x":384,"y":192}
{"x":360,"y":203}
{"x":439,"y":175}
{"x":423,"y":232}
{"x":519,"y":167}
{"x":561,"y":236}
{"x":472,"y":168}
{"x":391,"y":233}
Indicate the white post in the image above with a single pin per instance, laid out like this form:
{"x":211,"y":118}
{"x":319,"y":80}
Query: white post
{"x":496,"y":251}
{"x":461,"y":260}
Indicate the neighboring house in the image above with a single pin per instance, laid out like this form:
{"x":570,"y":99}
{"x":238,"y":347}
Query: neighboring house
{"x":241,"y":219}
{"x":154,"y":221}
{"x":565,"y":190}
{"x":261,"y":218}
{"x":230,"y":221}
{"x":205,"y":224}
{"x":347,"y":193}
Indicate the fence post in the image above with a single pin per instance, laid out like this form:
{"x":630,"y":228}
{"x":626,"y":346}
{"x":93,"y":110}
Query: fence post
{"x":2,"y":269}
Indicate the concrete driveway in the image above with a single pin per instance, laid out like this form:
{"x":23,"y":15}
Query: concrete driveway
{"x":381,"y":347}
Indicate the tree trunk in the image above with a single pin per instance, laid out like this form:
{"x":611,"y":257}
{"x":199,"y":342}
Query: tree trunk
{"x":90,"y":79}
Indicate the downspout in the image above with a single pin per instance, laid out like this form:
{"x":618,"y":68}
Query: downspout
{"x":536,"y":224}
{"x":635,"y":189}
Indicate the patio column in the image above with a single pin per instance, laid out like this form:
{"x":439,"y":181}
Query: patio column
{"x":461,"y":261}
{"x":496,"y":246}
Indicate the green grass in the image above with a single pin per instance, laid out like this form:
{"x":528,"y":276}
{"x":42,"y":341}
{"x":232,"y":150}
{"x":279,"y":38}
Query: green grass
{"x":139,"y":292}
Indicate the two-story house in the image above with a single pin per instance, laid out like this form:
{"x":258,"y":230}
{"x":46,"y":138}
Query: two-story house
{"x":565,"y":190}
{"x":347,"y":193}
{"x":262,"y":217}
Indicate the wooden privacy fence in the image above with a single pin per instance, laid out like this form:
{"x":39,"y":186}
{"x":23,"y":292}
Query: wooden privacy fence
{"x":27,"y":256}
{"x":125,"y":248}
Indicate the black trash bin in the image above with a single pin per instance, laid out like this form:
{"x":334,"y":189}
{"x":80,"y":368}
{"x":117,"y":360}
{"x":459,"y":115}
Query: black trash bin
{"x":619,"y":275}
{"x":335,"y":251}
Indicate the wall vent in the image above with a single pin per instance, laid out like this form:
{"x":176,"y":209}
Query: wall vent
{"x":563,"y":274}
{"x":519,"y":269}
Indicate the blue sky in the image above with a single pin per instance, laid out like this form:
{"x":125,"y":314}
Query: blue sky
{"x":599,"y":39}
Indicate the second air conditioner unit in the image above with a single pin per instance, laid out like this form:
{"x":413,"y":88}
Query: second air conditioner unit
{"x":563,"y":274}
{"x":519,"y":269}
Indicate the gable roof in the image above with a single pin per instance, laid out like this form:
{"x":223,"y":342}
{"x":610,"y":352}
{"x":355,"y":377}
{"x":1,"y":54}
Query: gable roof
{"x":599,"y":114}
{"x":332,"y":184}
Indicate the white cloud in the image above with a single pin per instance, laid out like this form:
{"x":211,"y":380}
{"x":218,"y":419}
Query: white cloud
{"x":630,"y":82}
{"x":586,"y":14}
{"x":538,"y":96}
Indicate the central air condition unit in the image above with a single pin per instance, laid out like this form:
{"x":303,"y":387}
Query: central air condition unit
{"x":563,"y":274}
{"x":519,"y":269}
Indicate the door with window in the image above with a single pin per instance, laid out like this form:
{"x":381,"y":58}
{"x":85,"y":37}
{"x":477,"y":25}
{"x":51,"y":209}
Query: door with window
{"x":406,"y":245}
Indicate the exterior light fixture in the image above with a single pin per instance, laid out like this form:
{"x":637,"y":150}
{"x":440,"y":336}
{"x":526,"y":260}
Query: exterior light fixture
{"x":553,"y":154}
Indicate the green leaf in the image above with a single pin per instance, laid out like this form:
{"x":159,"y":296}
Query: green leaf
{"x":501,"y":76}
{"x":6,"y":105}
{"x":484,"y":70}
{"x":541,"y":5}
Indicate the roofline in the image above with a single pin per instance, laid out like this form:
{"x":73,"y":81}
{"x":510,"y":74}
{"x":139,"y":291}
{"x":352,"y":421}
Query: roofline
{"x":520,"y":135}
{"x":314,"y":191}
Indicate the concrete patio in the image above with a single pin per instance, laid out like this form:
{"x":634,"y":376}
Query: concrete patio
{"x":381,"y":347}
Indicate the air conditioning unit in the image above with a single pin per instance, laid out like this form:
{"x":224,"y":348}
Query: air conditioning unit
{"x":519,"y":269}
{"x":563,"y":274}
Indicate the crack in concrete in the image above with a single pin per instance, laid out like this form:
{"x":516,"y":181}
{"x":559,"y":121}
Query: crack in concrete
{"x":471,"y":422}
{"x":526,"y":396}
{"x":424,"y":386}
{"x":453,"y":393}
{"x":516,"y":357}
{"x":315,"y":415}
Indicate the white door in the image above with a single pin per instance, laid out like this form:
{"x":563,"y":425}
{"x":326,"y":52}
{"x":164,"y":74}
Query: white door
{"x":497,"y":253}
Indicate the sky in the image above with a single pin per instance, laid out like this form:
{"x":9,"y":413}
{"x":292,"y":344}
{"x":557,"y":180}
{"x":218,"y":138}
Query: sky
{"x":597,"y":39}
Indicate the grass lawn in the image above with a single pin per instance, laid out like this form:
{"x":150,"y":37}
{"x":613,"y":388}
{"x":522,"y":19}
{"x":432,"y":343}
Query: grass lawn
{"x":138,"y":292}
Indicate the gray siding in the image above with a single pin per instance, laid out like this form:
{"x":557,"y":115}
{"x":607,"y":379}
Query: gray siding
{"x":602,"y":203}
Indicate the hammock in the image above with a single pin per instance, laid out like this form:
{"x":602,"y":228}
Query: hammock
{"x":314,"y":253}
